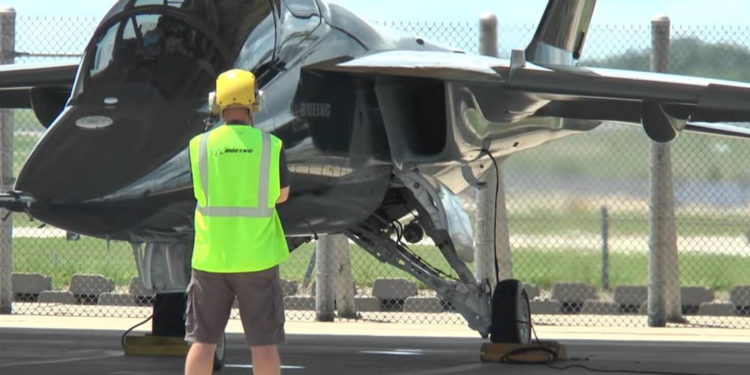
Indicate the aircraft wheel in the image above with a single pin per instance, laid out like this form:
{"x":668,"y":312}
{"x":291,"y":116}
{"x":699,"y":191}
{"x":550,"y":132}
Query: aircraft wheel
{"x":511,"y":315}
{"x":219,"y":354}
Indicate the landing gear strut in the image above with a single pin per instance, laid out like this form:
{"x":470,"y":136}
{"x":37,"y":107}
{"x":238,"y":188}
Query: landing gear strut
{"x":433,"y":203}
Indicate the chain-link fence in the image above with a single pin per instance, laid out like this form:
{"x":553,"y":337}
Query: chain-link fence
{"x":578,"y":208}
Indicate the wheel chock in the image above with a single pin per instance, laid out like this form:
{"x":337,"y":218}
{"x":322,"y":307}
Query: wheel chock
{"x":535,"y":352}
{"x":156,"y":346}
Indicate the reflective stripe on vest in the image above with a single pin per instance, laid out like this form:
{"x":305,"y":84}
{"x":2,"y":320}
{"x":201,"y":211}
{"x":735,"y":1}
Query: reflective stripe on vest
{"x":263,"y":181}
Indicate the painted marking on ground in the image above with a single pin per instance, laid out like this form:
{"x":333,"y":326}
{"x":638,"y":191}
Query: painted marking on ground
{"x":442,"y":371}
{"x":251,"y":366}
{"x":406,"y":352}
{"x":66,"y":360}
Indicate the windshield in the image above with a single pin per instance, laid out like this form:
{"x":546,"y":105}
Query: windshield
{"x":157,"y":49}
{"x":178,"y":47}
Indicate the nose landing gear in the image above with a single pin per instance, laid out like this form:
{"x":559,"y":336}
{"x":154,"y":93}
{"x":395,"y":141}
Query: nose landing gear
{"x":511,"y":315}
{"x":510,"y":331}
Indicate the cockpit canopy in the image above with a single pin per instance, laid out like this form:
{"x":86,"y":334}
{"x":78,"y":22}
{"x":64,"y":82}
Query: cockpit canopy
{"x":177,"y":47}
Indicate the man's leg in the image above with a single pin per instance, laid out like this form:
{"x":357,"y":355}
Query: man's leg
{"x":262,"y":312}
{"x":200,"y":359}
{"x":208,"y":309}
{"x":266,"y":360}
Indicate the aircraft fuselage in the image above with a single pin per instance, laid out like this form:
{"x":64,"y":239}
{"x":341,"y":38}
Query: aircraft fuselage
{"x":114,"y":164}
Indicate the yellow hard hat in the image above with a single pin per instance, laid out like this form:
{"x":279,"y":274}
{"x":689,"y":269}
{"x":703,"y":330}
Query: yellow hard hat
{"x":235,"y":87}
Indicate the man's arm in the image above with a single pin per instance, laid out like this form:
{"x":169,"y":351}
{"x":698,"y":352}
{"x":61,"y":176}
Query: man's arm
{"x":283,"y":196}
{"x":283,"y":178}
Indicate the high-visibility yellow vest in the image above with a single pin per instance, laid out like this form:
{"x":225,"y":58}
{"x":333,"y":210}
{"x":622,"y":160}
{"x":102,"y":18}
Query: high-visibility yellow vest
{"x":236,"y":183}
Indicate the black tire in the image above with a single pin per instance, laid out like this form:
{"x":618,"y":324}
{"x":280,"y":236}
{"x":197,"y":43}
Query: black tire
{"x":219,"y":354}
{"x":511,"y":315}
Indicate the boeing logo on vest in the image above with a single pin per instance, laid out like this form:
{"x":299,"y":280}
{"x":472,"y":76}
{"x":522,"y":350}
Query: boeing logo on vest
{"x":234,"y":151}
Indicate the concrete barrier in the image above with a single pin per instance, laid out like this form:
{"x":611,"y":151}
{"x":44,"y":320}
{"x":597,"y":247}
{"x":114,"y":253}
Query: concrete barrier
{"x":393,"y":292}
{"x":394,"y":289}
{"x":632,"y":295}
{"x":367,"y":304}
{"x":600,"y":308}
{"x":693,"y":296}
{"x":66,"y":298}
{"x":423,"y":305}
{"x":572,"y":295}
{"x":716,"y":309}
{"x":299,"y":303}
{"x":88,"y":285}
{"x":136,"y":288}
{"x":740,"y":295}
{"x":532,"y":291}
{"x":116,"y":299}
{"x":630,"y":298}
{"x":27,"y":286}
{"x":142,"y":296}
{"x":545,"y":307}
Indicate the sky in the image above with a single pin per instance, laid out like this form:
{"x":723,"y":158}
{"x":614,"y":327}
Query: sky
{"x":517,"y":20}
{"x":689,"y":12}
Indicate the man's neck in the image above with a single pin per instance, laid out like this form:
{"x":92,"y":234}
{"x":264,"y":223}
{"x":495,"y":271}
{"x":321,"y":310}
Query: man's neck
{"x":238,"y":122}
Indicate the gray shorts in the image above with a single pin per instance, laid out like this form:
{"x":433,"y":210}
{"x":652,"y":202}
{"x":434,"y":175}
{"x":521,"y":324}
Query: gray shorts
{"x":210,"y":299}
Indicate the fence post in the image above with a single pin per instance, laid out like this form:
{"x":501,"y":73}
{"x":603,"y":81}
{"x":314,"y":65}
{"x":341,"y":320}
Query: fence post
{"x":344,"y":281}
{"x":7,"y":56}
{"x":605,"y":248}
{"x":325,"y":287}
{"x":491,"y":225}
{"x":663,"y":290}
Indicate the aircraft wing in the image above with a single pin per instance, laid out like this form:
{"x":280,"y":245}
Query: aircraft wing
{"x":666,"y":104}
{"x":45,"y":88}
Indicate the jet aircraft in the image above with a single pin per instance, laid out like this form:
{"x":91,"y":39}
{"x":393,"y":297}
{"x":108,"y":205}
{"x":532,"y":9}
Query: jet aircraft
{"x":379,"y":128}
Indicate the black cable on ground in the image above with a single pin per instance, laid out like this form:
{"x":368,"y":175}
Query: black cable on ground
{"x":122,"y":339}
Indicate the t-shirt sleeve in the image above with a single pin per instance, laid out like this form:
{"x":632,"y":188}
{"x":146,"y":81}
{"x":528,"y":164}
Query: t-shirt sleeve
{"x":283,"y":169}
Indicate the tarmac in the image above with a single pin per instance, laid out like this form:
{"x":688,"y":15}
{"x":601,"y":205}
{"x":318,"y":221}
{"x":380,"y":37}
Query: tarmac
{"x":64,"y":345}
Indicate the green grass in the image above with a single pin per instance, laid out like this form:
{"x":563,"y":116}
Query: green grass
{"x":61,"y":259}
{"x":621,"y":151}
{"x":625,"y":224}
{"x":544,"y":268}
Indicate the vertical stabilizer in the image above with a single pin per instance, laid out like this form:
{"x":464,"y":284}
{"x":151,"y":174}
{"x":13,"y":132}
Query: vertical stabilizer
{"x":562,"y":32}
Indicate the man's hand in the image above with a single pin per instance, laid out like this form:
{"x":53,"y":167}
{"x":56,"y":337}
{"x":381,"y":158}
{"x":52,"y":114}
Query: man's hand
{"x":283,"y":196}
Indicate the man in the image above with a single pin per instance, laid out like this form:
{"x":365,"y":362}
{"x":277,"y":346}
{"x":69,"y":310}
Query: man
{"x":239,"y":175}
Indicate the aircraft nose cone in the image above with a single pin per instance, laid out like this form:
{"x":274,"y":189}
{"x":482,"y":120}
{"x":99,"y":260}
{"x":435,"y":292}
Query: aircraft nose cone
{"x":91,"y":151}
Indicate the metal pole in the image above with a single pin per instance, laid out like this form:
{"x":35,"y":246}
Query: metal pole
{"x":663,"y":300}
{"x":491,"y":224}
{"x":488,"y":35}
{"x":605,"y":248}
{"x":7,"y":56}
{"x":325,"y":280}
{"x":344,"y":281}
